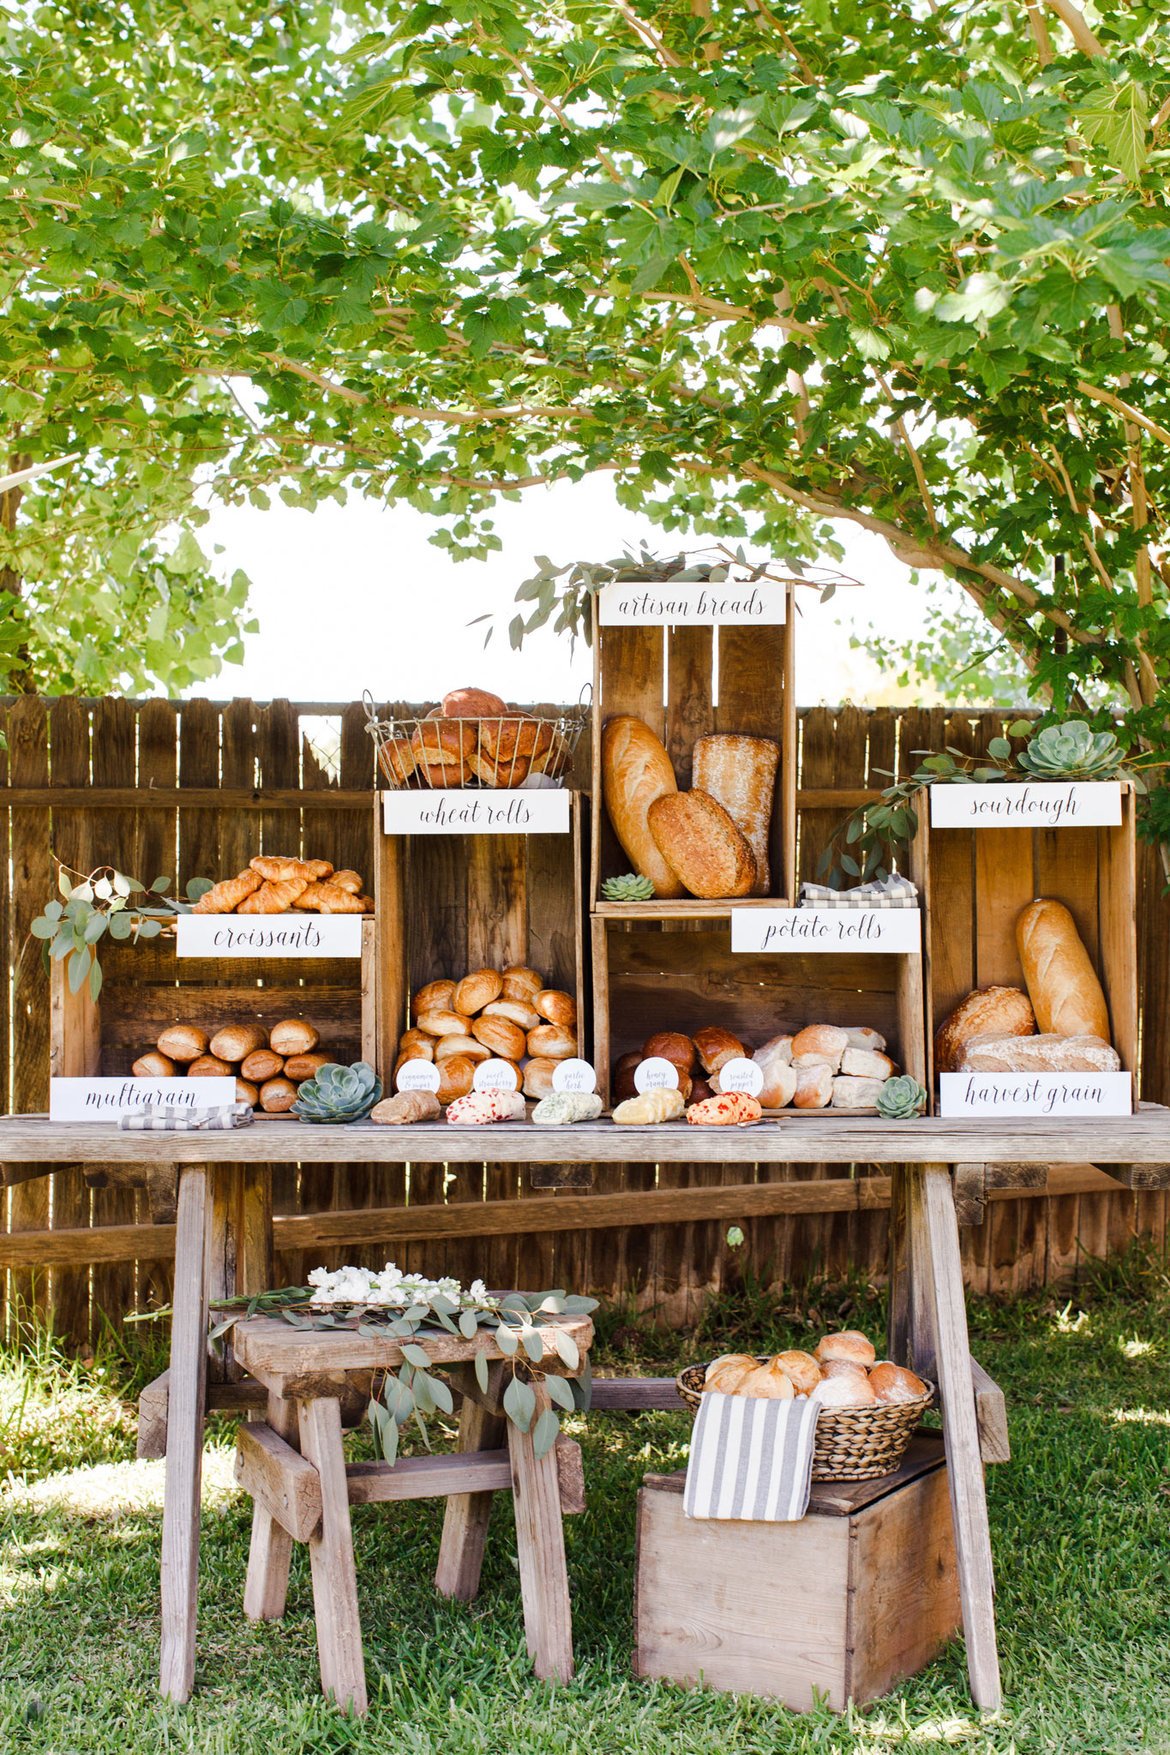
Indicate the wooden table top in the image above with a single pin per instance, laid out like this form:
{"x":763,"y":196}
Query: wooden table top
{"x":824,"y":1138}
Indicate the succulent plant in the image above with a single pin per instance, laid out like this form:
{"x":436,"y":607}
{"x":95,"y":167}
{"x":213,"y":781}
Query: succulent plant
{"x":629,"y":888}
{"x":339,"y":1093}
{"x":901,"y":1099}
{"x":1073,"y":751}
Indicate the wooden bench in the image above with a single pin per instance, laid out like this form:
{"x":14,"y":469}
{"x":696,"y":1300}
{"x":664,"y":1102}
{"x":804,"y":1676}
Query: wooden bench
{"x":293,"y":1466}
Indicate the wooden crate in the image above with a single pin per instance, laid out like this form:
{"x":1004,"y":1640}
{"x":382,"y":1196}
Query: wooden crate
{"x":447,"y":904}
{"x":146,"y":987}
{"x":859,"y":1593}
{"x":978,"y":880}
{"x":683,"y":683}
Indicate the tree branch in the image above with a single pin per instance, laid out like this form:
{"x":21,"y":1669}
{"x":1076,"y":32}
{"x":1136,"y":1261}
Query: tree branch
{"x":1077,"y":25}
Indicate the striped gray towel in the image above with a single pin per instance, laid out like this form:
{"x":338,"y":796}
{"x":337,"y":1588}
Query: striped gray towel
{"x":891,"y":892}
{"x":177,"y":1118}
{"x":751,"y":1458}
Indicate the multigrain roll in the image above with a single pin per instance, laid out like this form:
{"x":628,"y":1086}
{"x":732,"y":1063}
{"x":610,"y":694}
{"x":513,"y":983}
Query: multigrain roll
{"x":293,"y":1036}
{"x":153,"y":1065}
{"x":182,"y":1042}
{"x":477,"y":990}
{"x":247,"y":1092}
{"x":299,"y":1067}
{"x":261,"y":1064}
{"x":277,"y":1096}
{"x":237,"y":1041}
{"x":209,"y":1066}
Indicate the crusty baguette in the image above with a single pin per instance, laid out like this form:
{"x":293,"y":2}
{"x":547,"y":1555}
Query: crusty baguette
{"x":1062,"y":983}
{"x":999,"y":1011}
{"x":702,"y":846}
{"x":635,"y":772}
{"x":739,"y":772}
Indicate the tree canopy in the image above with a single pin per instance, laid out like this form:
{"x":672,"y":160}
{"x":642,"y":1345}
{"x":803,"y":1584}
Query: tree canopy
{"x":769,"y":264}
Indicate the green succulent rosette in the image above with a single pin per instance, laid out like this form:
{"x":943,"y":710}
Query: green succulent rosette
{"x":901,"y":1099}
{"x":339,"y":1093}
{"x":1073,"y":751}
{"x":630,"y":888}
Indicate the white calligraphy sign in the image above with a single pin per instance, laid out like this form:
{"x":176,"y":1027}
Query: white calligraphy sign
{"x":268,"y":935}
{"x":741,"y":1075}
{"x":1050,"y":1093}
{"x":540,"y":810}
{"x":417,"y":1075}
{"x":672,"y":603}
{"x":1033,"y":804}
{"x":574,"y":1075}
{"x":106,"y":1099}
{"x":495,"y":1075}
{"x":827,"y":929}
{"x":656,"y":1074}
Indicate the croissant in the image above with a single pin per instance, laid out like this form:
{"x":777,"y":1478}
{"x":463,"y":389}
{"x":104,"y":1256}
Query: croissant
{"x":277,"y":869}
{"x":224,"y":898}
{"x":330,"y":898}
{"x":660,"y":1104}
{"x":274,"y":897}
{"x":348,"y":880}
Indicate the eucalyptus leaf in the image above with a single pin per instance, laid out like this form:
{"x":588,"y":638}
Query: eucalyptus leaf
{"x":520,"y":1403}
{"x":545,"y":1433}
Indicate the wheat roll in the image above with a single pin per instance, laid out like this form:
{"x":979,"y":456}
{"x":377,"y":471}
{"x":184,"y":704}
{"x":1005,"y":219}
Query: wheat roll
{"x":182,"y":1042}
{"x":277,"y":1096}
{"x":153,"y":1065}
{"x":299,"y":1067}
{"x":261,"y":1064}
{"x":636,"y":773}
{"x":293,"y":1036}
{"x":209,"y":1066}
{"x":477,"y":990}
{"x":1058,"y":972}
{"x":417,"y":1039}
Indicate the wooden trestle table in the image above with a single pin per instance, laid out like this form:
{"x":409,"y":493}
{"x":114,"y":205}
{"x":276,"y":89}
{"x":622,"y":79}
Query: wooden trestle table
{"x":940,"y":1171}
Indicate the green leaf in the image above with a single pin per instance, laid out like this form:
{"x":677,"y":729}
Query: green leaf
{"x":978,"y":297}
{"x":520,"y":1403}
{"x":481,"y":1372}
{"x":507,"y":1341}
{"x":560,"y":1392}
{"x":468,"y":1324}
{"x":566,"y":1347}
{"x":1118,"y":121}
{"x":545,"y":1433}
{"x":533,"y":1343}
{"x":417,"y":1356}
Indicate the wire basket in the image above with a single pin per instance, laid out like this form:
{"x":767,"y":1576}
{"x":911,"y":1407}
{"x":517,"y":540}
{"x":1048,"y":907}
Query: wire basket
{"x":852,"y":1444}
{"x":513,"y":749}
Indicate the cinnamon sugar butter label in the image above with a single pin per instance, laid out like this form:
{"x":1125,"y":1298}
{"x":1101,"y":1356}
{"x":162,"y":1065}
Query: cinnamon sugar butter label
{"x":523,"y":810}
{"x":994,"y":1095}
{"x":1038,"y":804}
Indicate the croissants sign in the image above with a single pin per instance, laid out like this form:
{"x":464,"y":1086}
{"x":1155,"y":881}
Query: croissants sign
{"x":268,"y":935}
{"x":1039,"y":804}
{"x":521,"y":810}
{"x":691,"y":603}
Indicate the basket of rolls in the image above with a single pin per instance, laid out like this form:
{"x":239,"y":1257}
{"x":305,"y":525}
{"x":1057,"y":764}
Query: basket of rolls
{"x":868,"y":1407}
{"x":473,"y":738}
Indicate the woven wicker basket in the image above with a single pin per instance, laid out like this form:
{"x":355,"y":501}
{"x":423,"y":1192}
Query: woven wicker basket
{"x":852,"y":1444}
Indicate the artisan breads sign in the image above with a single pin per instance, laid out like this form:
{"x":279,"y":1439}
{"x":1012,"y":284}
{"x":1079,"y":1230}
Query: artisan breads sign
{"x":106,"y":1099}
{"x":1054,"y":1093}
{"x":1033,"y":804}
{"x":827,"y":929}
{"x":691,"y":603}
{"x":268,"y":935}
{"x":523,"y":810}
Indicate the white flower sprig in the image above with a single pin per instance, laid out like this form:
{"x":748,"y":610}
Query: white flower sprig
{"x":391,"y":1289}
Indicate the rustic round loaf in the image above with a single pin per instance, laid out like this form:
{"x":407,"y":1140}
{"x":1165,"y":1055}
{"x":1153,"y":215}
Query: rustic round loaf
{"x":988,"y":1011}
{"x":293,"y":1036}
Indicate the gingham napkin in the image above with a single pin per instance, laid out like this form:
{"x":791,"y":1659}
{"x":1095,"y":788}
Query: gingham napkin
{"x":890,"y":892}
{"x":751,"y":1458}
{"x":175,"y":1118}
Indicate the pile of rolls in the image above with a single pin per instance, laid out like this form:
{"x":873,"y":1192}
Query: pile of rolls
{"x":491,"y":1014}
{"x":267,"y":1064}
{"x":842,"y":1371}
{"x":820,"y":1067}
{"x":472,"y":735}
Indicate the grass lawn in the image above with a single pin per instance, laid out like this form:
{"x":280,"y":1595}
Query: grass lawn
{"x":1079,"y":1523}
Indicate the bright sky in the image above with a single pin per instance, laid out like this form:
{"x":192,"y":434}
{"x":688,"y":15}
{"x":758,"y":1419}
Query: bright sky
{"x":355,"y":597}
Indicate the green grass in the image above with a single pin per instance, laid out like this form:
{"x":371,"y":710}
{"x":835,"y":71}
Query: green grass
{"x":1079,"y":1523}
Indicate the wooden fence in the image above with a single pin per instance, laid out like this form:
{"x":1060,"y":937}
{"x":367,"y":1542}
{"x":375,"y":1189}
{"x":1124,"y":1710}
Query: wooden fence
{"x":156,"y":786}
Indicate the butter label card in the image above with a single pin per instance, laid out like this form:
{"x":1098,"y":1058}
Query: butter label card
{"x":524,"y":810}
{"x":827,"y":929}
{"x":106,"y":1099}
{"x":268,"y":935}
{"x":1033,"y":804}
{"x":691,"y":603}
{"x":1050,"y":1093}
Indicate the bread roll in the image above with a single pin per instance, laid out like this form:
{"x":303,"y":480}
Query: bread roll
{"x":552,"y":1042}
{"x":814,"y":1087}
{"x":182,"y":1042}
{"x":277,"y":1096}
{"x":446,"y":1046}
{"x":237,"y":1041}
{"x":867,"y":1063}
{"x":851,"y":1391}
{"x":441,"y":749}
{"x":989,"y":1011}
{"x":702,"y":846}
{"x":1061,"y":981}
{"x":725,"y":1374}
{"x":501,"y":1037}
{"x":397,"y":759}
{"x":802,"y":1368}
{"x":444,"y":1023}
{"x":623,"y":1077}
{"x":740,"y":774}
{"x":417,"y":1040}
{"x":406,"y":1107}
{"x":890,"y":1383}
{"x":472,"y":704}
{"x":1045,"y":1053}
{"x":819,"y":1045}
{"x":538,"y":1076}
{"x":850,"y":1345}
{"x":768,"y":1382}
{"x":436,"y":996}
{"x":715,"y":1047}
{"x":670,"y":1045}
{"x":843,"y":1368}
{"x":649,"y":1107}
{"x":521,"y":982}
{"x":456,"y":1077}
{"x":860,"y":1036}
{"x":153,"y":1065}
{"x":261,"y":1064}
{"x":635,"y":774}
{"x":855,"y":1093}
{"x":209,"y":1066}
{"x":477,"y":990}
{"x":247,"y":1092}
{"x":293,"y":1036}
{"x":558,"y":1007}
{"x":780,"y":1077}
{"x":508,"y":747}
{"x":299,"y":1067}
{"x":517,"y":1010}
{"x":699,"y":1089}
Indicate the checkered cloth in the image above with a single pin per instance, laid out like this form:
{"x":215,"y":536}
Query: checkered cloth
{"x":175,"y":1118}
{"x":751,"y":1458}
{"x":891,"y":892}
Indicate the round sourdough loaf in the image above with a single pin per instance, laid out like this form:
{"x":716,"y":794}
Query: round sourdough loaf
{"x":988,"y":1011}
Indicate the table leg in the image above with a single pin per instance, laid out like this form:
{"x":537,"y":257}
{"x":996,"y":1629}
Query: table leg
{"x":187,"y":1394}
{"x":270,"y":1552}
{"x":540,"y":1549}
{"x":335,"y":1602}
{"x":465,"y":1521}
{"x":938,"y":1292}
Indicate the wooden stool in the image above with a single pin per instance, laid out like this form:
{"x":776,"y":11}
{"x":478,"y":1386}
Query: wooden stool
{"x":294,"y":1467}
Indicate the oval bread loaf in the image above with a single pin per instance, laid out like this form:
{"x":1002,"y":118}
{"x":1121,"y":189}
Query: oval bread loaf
{"x":277,"y":1096}
{"x":299,"y":1067}
{"x":237,"y":1041}
{"x":261,"y":1064}
{"x":988,"y":1011}
{"x":700,"y":843}
{"x":1061,"y":981}
{"x":209,"y":1066}
{"x":636,"y":773}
